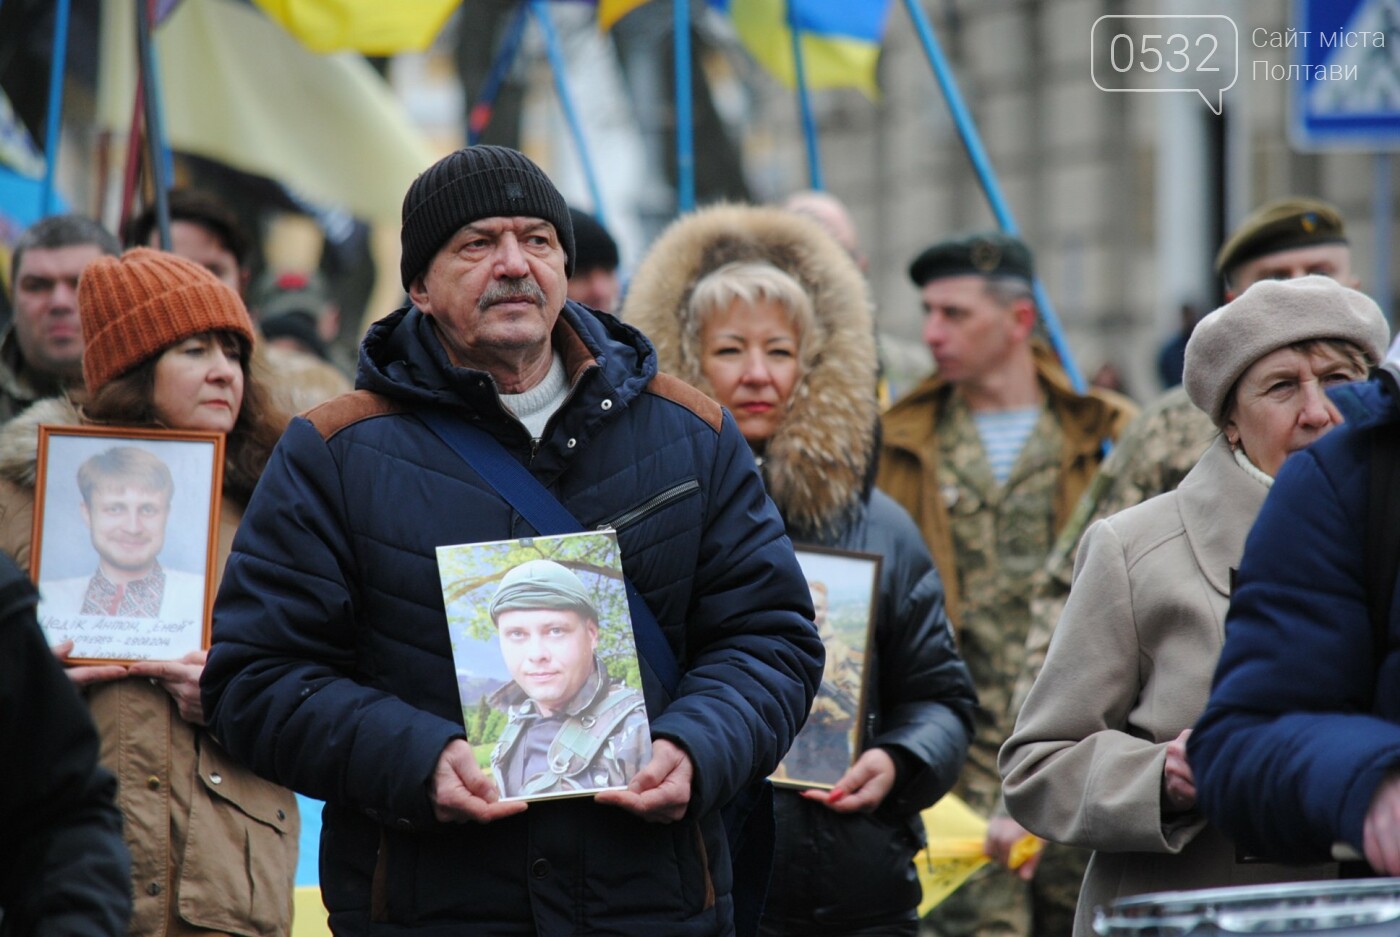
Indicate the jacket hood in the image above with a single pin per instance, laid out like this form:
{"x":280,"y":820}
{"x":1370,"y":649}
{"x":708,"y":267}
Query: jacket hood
{"x":402,"y":358}
{"x":819,"y":462}
{"x":19,"y":439}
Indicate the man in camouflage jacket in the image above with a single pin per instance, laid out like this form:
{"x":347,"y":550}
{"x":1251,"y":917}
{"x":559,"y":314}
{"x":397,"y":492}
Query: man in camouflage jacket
{"x":989,"y":456}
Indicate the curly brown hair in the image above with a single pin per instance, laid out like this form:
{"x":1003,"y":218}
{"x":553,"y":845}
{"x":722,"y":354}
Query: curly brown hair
{"x":129,"y":400}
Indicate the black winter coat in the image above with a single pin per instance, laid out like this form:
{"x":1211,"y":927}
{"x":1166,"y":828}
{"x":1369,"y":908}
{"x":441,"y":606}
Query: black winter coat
{"x":840,"y":874}
{"x":64,"y":868}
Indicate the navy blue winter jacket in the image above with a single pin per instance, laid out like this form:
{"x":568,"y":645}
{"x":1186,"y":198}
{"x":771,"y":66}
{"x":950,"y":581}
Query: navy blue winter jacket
{"x":331,"y":670}
{"x":1302,"y":724}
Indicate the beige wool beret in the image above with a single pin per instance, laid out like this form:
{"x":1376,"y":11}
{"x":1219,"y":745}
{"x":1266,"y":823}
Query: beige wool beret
{"x":1270,"y":315}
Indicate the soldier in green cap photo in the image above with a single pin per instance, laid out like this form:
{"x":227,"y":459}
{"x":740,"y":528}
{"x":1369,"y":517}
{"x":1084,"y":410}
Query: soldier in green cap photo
{"x":569,"y":728}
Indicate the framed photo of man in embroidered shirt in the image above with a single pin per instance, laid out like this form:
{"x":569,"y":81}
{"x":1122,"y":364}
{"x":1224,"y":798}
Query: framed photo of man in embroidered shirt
{"x":125,"y":539}
{"x":547,"y":663}
{"x":844,"y":586}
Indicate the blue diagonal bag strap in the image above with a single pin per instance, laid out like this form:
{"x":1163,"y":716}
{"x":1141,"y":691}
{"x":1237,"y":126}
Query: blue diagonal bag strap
{"x":542,"y":510}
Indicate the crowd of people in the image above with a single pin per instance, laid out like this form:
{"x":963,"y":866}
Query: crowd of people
{"x":1057,"y":576}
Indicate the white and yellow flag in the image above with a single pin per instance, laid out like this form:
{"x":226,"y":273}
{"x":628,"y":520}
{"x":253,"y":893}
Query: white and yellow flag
{"x":238,"y":88}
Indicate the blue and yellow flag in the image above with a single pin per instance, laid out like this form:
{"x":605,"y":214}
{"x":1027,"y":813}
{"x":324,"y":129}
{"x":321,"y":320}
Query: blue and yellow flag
{"x":840,"y":39}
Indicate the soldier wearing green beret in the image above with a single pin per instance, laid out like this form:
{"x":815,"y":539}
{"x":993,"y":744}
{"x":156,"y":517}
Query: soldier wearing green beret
{"x":568,"y":727}
{"x":990,"y":455}
{"x":1283,"y":240}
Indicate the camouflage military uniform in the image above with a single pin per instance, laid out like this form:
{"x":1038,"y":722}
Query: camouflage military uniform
{"x":1153,"y":456}
{"x":988,"y":542}
{"x":1001,"y":535}
{"x":600,"y":740}
{"x":823,"y":748}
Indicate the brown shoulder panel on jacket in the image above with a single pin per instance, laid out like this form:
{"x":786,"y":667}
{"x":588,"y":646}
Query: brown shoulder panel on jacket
{"x":339,"y":412}
{"x":678,"y":391}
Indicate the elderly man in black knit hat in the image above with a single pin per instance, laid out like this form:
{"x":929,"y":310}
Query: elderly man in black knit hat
{"x":332,"y":669}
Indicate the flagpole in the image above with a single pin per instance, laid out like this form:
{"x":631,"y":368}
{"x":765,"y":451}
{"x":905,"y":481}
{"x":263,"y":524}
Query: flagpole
{"x":561,"y":86}
{"x":972,"y":142}
{"x":155,"y":130}
{"x":804,"y":100}
{"x":685,"y":130}
{"x":55,"y":114}
{"x":131,"y":175}
{"x":482,"y":111}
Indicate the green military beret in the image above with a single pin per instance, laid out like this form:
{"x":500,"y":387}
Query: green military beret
{"x":1281,"y":225}
{"x":989,"y":254}
{"x":541,"y":584}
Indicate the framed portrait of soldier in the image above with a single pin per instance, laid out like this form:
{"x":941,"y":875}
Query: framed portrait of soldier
{"x":547,"y":666}
{"x":125,"y":540}
{"x":844,"y":585}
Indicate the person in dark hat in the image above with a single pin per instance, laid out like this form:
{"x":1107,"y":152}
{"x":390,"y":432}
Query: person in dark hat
{"x":594,"y":281}
{"x":569,"y":728}
{"x":1283,"y":240}
{"x":331,"y":668}
{"x":989,"y":455}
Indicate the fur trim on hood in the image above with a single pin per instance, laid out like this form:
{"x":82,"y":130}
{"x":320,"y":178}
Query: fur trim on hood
{"x":818,"y":463}
{"x":19,"y":439}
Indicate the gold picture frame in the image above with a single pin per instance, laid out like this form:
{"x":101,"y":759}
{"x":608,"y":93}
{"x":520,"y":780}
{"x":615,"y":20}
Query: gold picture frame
{"x":125,"y":540}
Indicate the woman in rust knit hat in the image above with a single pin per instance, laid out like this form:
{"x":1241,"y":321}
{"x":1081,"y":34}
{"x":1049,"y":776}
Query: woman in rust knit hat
{"x":213,"y":847}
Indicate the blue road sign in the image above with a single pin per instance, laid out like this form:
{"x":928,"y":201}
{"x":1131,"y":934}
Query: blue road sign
{"x":1346,"y":95}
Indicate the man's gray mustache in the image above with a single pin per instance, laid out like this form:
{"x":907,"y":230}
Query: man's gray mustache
{"x":511,"y":290}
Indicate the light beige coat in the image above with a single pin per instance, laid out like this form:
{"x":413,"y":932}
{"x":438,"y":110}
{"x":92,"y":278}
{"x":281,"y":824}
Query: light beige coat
{"x":1129,"y":667}
{"x":213,"y":846}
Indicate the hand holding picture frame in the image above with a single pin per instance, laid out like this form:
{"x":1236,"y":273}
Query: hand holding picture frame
{"x":124,"y":546}
{"x":844,"y":587}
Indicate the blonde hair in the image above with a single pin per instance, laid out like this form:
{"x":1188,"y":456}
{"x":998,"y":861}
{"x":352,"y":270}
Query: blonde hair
{"x":750,"y":283}
{"x":125,"y":464}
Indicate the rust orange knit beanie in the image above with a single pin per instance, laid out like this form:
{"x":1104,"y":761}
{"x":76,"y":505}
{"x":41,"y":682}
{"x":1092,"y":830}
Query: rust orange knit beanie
{"x":139,"y":304}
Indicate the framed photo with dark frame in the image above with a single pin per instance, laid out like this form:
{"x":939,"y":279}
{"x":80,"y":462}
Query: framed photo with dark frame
{"x":845,"y":586}
{"x":125,"y":540}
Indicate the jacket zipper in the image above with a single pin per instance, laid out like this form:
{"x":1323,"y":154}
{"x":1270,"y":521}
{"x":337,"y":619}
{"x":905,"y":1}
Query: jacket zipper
{"x":655,"y":503}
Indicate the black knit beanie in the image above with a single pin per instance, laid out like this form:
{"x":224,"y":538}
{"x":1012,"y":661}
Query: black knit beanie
{"x":473,"y":183}
{"x":596,"y":247}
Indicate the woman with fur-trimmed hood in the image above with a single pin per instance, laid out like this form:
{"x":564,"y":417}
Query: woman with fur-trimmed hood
{"x":764,"y":311}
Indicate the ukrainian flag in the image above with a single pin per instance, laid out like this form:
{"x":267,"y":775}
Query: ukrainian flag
{"x":840,"y":38}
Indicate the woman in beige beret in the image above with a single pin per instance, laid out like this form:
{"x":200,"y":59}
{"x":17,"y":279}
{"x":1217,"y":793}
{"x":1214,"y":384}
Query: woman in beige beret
{"x":1098,"y":757}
